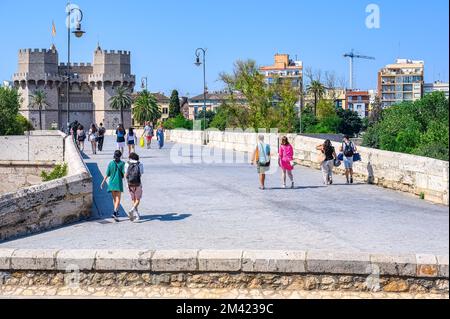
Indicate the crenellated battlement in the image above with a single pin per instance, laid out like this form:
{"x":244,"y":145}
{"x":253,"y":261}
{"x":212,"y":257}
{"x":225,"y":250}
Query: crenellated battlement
{"x":28,"y":51}
{"x":112,"y":52}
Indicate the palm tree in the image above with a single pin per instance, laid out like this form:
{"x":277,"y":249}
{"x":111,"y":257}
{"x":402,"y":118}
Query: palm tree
{"x":146,"y":108}
{"x":318,"y":89}
{"x":39,"y":99}
{"x":121,"y":101}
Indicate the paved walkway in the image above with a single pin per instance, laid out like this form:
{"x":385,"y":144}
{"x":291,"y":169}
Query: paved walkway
{"x":220,"y":207}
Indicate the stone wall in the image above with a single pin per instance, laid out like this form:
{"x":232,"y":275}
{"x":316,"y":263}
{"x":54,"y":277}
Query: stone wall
{"x":278,"y":270}
{"x":408,"y":173}
{"x":16,"y":176}
{"x":46,"y":205}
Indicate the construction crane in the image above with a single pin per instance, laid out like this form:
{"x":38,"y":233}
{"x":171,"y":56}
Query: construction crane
{"x":352,"y":56}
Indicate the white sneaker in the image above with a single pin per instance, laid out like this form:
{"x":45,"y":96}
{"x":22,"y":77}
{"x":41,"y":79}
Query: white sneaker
{"x":131,"y":214}
{"x":284,"y":186}
{"x":137,"y":217}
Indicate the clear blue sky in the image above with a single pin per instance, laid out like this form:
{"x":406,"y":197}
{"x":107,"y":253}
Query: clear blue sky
{"x":163,"y":35}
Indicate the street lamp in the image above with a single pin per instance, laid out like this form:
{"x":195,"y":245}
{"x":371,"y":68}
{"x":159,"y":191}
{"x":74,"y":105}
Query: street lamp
{"x":199,"y":63}
{"x":78,"y":33}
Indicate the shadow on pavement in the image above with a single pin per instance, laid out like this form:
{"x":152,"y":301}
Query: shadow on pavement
{"x":103,"y":205}
{"x":165,"y":218}
{"x":295,"y":188}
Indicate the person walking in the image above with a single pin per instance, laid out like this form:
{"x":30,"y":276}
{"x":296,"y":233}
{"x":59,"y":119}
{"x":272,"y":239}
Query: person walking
{"x":101,"y":137}
{"x":160,"y":136}
{"x":261,"y":158}
{"x":148,"y":134}
{"x":348,"y":149}
{"x":93,"y":138}
{"x":328,"y":156}
{"x":131,"y":141}
{"x":134,"y":171}
{"x":120,"y":134}
{"x":286,"y":155}
{"x":115,"y":173}
{"x":81,"y":137}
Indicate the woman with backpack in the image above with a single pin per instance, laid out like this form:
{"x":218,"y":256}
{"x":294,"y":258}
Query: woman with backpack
{"x":81,"y":137}
{"x":348,"y":149}
{"x":93,"y":138}
{"x":328,"y":156}
{"x":286,"y":155}
{"x":131,"y":141}
{"x":120,"y":133}
{"x":261,"y":158}
{"x":115,"y":173}
{"x":134,"y":171}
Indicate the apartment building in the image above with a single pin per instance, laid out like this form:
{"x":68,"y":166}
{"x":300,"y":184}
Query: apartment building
{"x":359,"y":102}
{"x":402,"y":81}
{"x":437,"y":86}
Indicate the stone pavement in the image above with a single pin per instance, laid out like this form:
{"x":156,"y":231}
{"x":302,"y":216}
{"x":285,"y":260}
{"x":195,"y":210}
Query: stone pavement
{"x":160,"y":292}
{"x":201,"y":206}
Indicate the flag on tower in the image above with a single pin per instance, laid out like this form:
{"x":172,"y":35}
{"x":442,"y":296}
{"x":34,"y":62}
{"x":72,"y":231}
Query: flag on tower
{"x":53,"y":29}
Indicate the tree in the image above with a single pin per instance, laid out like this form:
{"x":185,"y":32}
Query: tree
{"x":376,"y":113}
{"x":247,"y":79}
{"x":325,"y":108}
{"x":209,"y":118}
{"x":39,"y":100}
{"x":146,"y":108}
{"x":12,"y":123}
{"x":318,"y":90}
{"x":174,"y":106}
{"x":351,"y":124}
{"x":121,"y":101}
{"x":285,"y":99}
{"x":220,"y":120}
{"x":178,"y":122}
{"x":419,"y":128}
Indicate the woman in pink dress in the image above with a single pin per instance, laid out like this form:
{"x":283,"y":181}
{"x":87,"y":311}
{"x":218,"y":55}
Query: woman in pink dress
{"x":286,"y":155}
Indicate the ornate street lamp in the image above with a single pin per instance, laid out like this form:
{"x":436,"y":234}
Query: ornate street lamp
{"x":198,"y":63}
{"x":78,"y":33}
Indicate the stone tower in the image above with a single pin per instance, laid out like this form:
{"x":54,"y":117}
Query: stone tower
{"x":38,"y":70}
{"x":111,"y":70}
{"x":91,"y":87}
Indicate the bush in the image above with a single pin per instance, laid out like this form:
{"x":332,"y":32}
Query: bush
{"x":58,"y":172}
{"x":178,"y":122}
{"x":419,"y":128}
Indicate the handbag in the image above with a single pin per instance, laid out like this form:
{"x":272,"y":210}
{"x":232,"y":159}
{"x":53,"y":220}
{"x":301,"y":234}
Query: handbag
{"x":340,"y":157}
{"x":142,"y":142}
{"x":357,"y":157}
{"x":337,"y":162}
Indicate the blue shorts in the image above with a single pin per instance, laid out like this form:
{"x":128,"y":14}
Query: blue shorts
{"x":348,"y":162}
{"x":131,"y":143}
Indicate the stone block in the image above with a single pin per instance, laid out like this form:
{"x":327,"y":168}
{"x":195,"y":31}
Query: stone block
{"x":338,"y":263}
{"x":274,"y":261}
{"x":174,"y":260}
{"x":43,"y":259}
{"x":75,"y":259}
{"x":216,"y":260}
{"x":123,"y":260}
{"x":427,"y":266}
{"x":5,"y":258}
{"x":443,"y":266}
{"x":400,"y":265}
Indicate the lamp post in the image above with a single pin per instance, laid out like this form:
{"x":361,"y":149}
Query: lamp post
{"x":78,"y":33}
{"x":199,"y":63}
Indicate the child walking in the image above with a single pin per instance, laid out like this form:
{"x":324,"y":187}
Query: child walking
{"x":134,"y":171}
{"x":115,"y":173}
